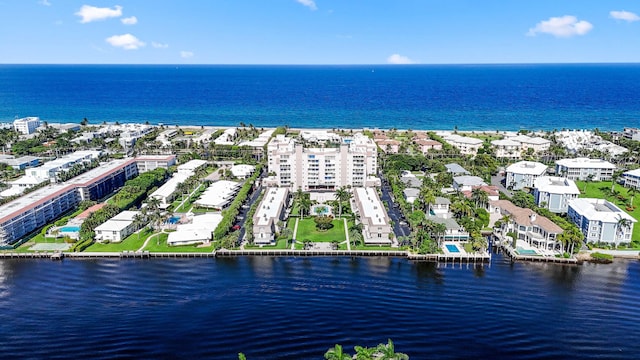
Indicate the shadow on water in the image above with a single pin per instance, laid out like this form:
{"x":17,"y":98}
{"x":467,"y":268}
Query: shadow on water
{"x":428,"y":273}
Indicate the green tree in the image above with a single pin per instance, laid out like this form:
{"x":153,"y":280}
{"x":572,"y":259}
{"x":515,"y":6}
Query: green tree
{"x":336,"y":353}
{"x":342,"y":195}
{"x":387,"y":352}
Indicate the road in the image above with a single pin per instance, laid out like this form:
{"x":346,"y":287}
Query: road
{"x":497,"y":181}
{"x":394,"y":212}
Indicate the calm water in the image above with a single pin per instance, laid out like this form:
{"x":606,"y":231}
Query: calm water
{"x":295,"y":308}
{"x":486,"y":97}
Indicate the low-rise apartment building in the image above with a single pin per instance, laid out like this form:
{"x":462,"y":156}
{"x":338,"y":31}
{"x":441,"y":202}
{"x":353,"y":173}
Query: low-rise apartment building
{"x":373,"y":216}
{"x":466,"y":145}
{"x":585,"y":169}
{"x":553,"y":193}
{"x":632,"y":178}
{"x":601,"y":221}
{"x":523,"y":174}
{"x":27,"y":125}
{"x":117,"y":228}
{"x":270,"y":211}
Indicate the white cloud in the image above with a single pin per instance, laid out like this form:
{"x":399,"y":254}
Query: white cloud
{"x":186,"y":54}
{"x":44,"y":2}
{"x":126,"y":41}
{"x":624,"y":15}
{"x":90,"y":13}
{"x":564,"y":26}
{"x":159,"y":45}
{"x":399,"y":59}
{"x":130,"y":20}
{"x":308,"y":3}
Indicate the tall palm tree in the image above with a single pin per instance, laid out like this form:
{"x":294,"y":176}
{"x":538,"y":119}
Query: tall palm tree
{"x":632,"y":191}
{"x":387,"y":352}
{"x":342,"y":194}
{"x":138,"y":222}
{"x":336,"y":353}
{"x":622,"y":225}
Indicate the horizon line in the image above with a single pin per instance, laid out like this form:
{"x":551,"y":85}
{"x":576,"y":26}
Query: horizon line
{"x":337,"y":64}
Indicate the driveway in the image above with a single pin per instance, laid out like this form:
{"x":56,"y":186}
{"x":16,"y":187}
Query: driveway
{"x":496,"y":180}
{"x":394,"y":212}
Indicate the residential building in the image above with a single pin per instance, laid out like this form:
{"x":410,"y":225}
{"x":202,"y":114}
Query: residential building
{"x":51,"y":169}
{"x":38,"y":208}
{"x":493,"y":192}
{"x":199,"y":231}
{"x":191,"y":166}
{"x":352,"y":161}
{"x":538,"y":231}
{"x":242,"y":171}
{"x":600,"y":221}
{"x":632,"y":133}
{"x":553,"y":193}
{"x":632,"y":178}
{"x":117,"y":228}
{"x":228,"y":137}
{"x":151,"y":162}
{"x":538,"y":144}
{"x":440,"y":207}
{"x":270,"y":211}
{"x":426,"y":145}
{"x":167,"y":192}
{"x":218,"y":195}
{"x":507,"y":148}
{"x":376,"y":223}
{"x":523,"y":174}
{"x":389,"y":146}
{"x":455,"y":169}
{"x":410,"y":179}
{"x":20,"y":163}
{"x":453,"y":232}
{"x":27,"y":125}
{"x":585,"y":169}
{"x":466,"y":145}
{"x":467,"y":182}
{"x":411,"y":194}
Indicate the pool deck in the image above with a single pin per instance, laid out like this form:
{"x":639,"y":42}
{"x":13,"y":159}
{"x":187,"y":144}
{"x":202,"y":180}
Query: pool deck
{"x":514,"y":255}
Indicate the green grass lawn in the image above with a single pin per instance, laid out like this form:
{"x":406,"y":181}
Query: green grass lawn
{"x":159,"y":244}
{"x":281,"y":243}
{"x":374,"y":247}
{"x":133,"y":242}
{"x":188,"y":203}
{"x":307,"y":231}
{"x":598,"y":190}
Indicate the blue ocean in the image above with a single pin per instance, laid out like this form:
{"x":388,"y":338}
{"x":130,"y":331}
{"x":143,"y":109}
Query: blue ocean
{"x":439,"y":97}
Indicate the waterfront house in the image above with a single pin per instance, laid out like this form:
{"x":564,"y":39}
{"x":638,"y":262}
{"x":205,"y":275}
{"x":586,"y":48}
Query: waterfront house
{"x":601,"y":221}
{"x":536,"y":230}
{"x":523,"y":174}
{"x":198,"y":231}
{"x":117,"y":228}
{"x":554,"y":193}
{"x":453,"y":232}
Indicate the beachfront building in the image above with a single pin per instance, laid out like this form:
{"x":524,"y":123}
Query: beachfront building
{"x":27,"y":125}
{"x":270,"y":211}
{"x":523,"y":174}
{"x":376,"y":223}
{"x":580,"y":141}
{"x":553,"y":193}
{"x":228,"y":137}
{"x":466,"y":145}
{"x":218,"y":195}
{"x":191,"y":166}
{"x":350,"y":162}
{"x":36,"y":209}
{"x":538,"y":231}
{"x":467,"y":182}
{"x":536,"y":143}
{"x":507,"y":149}
{"x":198,"y":231}
{"x":453,"y":232}
{"x":601,"y":221}
{"x":117,"y":228}
{"x":585,"y":169}
{"x":151,"y":162}
{"x":632,"y":178}
{"x":631,"y":133}
{"x":50,"y":170}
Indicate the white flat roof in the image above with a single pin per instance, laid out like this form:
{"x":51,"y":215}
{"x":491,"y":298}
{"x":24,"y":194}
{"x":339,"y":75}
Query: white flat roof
{"x":599,"y":209}
{"x":199,"y":230}
{"x":126,"y":215}
{"x":469,"y":180}
{"x":505,"y":142}
{"x":218,"y":194}
{"x":270,"y":205}
{"x":527,"y":167}
{"x":191,"y":165}
{"x":242,"y":170}
{"x":586,"y":163}
{"x":463,"y":139}
{"x":113,"y":225}
{"x":556,"y":185}
{"x":371,"y":206}
{"x":170,"y":186}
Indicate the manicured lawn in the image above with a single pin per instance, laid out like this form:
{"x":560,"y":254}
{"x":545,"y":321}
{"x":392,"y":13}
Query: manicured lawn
{"x":374,"y":247}
{"x":307,"y":231}
{"x":187,"y":204}
{"x":468,"y":248}
{"x":599,"y":190}
{"x":280,"y":244}
{"x":132,"y":242}
{"x":160,"y":245}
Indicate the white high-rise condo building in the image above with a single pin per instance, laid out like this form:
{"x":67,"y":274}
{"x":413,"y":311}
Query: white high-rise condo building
{"x":348,"y":161}
{"x":26,"y":125}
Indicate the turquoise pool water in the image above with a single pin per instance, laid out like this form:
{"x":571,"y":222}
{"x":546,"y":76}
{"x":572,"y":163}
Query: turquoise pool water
{"x":452,"y":248}
{"x":522,"y":251}
{"x":173,"y":220}
{"x":69,"y":229}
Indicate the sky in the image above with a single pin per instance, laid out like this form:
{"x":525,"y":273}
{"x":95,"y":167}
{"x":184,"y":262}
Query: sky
{"x":318,"y":31}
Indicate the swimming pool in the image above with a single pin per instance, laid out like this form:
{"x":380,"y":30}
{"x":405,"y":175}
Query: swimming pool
{"x":522,"y":251}
{"x":173,"y":220}
{"x":452,"y":248}
{"x":68,"y":229}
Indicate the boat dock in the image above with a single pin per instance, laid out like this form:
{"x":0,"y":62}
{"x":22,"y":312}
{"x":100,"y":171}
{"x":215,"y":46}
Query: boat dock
{"x":513,"y":254}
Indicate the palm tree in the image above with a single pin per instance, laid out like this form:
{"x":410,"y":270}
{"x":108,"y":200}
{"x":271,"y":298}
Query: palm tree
{"x":336,"y":353}
{"x":632,"y":191}
{"x":341,"y":195}
{"x":387,"y":352}
{"x":622,"y":225}
{"x":138,"y":222}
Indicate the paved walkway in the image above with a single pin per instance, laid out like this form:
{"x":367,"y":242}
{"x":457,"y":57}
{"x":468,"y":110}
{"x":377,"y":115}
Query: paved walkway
{"x":148,"y":238}
{"x":346,"y":234}
{"x":295,"y":233}
{"x":189,"y":197}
